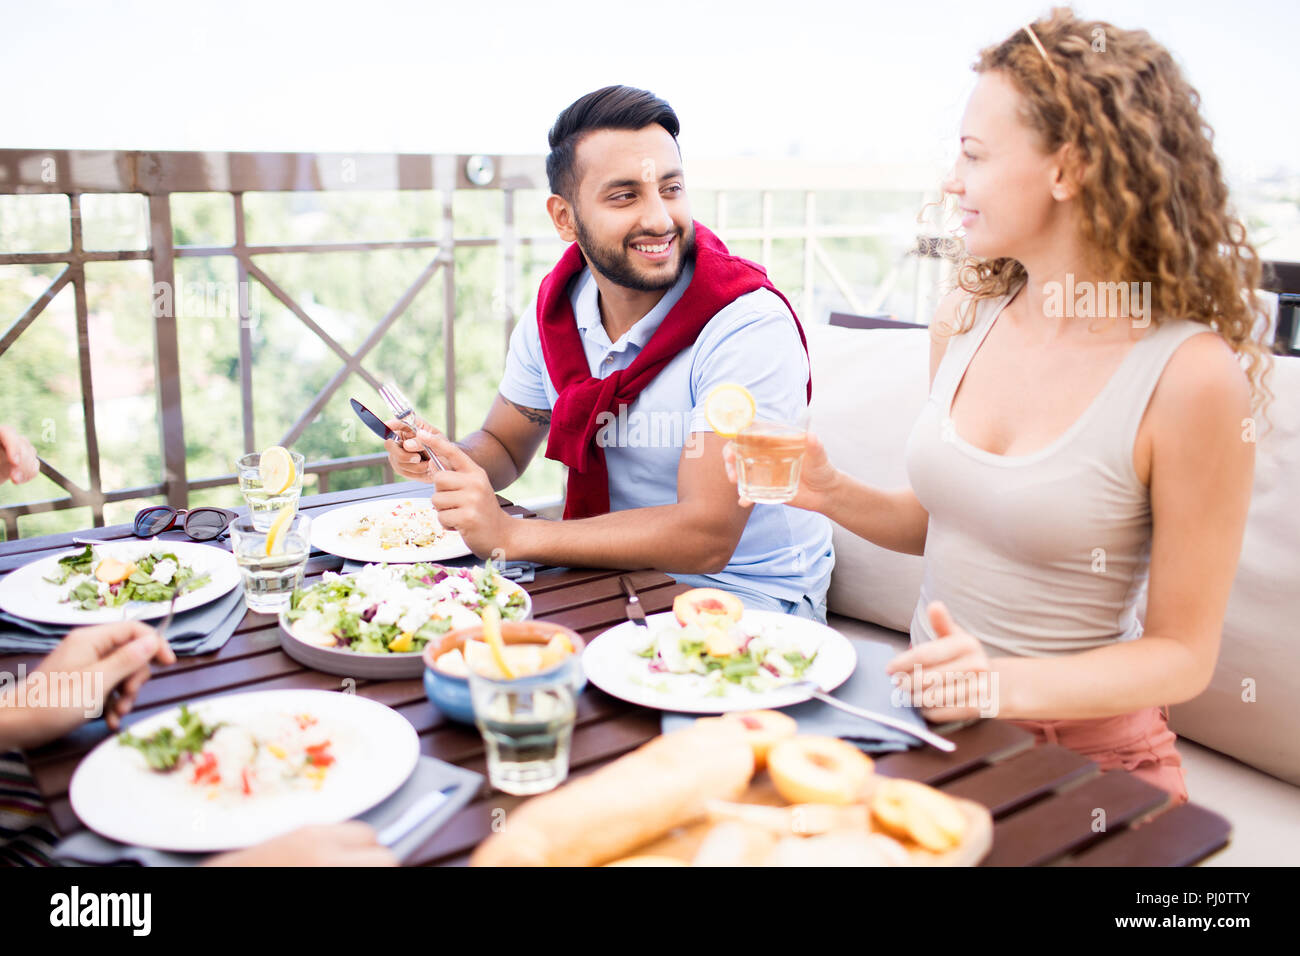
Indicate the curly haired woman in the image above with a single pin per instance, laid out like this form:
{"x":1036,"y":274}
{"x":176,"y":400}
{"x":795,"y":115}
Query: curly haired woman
{"x":1089,"y":429}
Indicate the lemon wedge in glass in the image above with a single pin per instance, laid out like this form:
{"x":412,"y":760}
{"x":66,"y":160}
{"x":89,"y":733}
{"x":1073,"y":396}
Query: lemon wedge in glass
{"x":279,"y":528}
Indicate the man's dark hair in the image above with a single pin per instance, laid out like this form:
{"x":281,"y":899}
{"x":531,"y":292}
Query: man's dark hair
{"x":614,"y":107}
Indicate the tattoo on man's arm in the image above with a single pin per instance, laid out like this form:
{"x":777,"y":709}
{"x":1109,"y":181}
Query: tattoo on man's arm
{"x":538,"y":416}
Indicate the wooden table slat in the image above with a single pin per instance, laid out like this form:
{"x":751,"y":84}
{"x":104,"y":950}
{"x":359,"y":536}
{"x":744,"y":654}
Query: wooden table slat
{"x":978,"y":744}
{"x":1065,"y":822}
{"x":549,"y":601}
{"x":1181,"y":836}
{"x":1022,"y":779}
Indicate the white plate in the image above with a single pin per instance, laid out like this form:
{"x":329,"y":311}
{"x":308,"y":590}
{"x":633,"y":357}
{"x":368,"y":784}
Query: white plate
{"x":610,"y":662}
{"x":327,"y":535}
{"x":116,"y":794}
{"x":25,"y":593}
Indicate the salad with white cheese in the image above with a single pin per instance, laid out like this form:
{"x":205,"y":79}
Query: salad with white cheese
{"x":399,"y":608}
{"x":713,"y":660}
{"x":92,"y":581}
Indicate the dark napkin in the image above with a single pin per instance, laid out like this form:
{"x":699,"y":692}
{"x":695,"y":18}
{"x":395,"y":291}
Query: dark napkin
{"x":91,"y":849}
{"x":198,"y":631}
{"x":869,"y":687}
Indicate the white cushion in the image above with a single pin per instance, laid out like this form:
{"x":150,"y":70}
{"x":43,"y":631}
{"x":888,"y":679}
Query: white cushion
{"x":1261,"y":637}
{"x":868,"y":388}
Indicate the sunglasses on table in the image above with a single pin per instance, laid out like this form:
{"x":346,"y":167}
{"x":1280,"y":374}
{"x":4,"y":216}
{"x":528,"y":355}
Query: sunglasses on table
{"x":201,"y":524}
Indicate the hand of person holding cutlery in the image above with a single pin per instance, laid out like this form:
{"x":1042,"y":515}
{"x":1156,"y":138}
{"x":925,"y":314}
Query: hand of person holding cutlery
{"x":405,"y":457}
{"x":102,"y":669}
{"x":465,"y":500}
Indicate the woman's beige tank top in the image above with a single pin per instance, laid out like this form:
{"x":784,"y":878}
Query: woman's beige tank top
{"x":1045,"y":553}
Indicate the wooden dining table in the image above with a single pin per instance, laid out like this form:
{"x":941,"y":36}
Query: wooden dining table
{"x":1049,"y":804}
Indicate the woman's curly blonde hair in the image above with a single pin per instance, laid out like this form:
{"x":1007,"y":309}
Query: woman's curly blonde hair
{"x":1152,"y":195}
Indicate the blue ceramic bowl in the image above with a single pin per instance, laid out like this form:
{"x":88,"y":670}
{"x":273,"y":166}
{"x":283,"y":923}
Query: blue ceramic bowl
{"x":450,"y":694}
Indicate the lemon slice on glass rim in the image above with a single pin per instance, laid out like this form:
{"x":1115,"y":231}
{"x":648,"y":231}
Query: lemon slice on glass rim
{"x":275,"y":468}
{"x":728,"y":409}
{"x":279,"y":528}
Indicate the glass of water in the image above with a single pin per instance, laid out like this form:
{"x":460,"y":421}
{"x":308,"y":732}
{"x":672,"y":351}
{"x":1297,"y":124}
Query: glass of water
{"x":527,"y":726}
{"x":263,"y":505}
{"x":271,"y":568}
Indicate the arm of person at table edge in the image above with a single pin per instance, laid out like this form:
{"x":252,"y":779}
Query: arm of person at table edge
{"x":1200,"y":481}
{"x":695,"y":535}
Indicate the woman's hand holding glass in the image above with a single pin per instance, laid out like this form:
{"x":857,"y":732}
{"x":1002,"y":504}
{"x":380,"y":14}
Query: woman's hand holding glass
{"x":818,"y":479}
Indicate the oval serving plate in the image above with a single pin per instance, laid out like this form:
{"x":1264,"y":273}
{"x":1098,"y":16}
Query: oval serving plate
{"x":348,"y":663}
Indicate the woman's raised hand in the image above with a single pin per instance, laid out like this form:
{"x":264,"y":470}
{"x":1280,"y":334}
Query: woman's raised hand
{"x":818,"y":478}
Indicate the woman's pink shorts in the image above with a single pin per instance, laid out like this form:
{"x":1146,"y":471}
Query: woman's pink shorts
{"x":1140,"y":742}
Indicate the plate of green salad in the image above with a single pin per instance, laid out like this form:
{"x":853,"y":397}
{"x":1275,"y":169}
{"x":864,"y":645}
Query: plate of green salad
{"x":95,"y":584}
{"x":751,"y":664}
{"x":375,"y":623}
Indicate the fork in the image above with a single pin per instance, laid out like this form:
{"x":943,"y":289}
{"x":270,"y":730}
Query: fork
{"x":391,"y":394}
{"x":934,"y":740}
{"x":166,"y":621}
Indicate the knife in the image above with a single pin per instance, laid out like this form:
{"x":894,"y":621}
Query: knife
{"x":376,"y":425}
{"x":414,"y":815}
{"x":635,"y":613}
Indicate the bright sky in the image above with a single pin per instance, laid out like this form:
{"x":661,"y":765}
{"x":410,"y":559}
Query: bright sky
{"x":839,"y":81}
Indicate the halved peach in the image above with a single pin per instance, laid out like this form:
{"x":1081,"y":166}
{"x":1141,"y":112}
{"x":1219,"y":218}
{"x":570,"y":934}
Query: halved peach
{"x":912,"y":810}
{"x":113,"y":571}
{"x":818,"y":770}
{"x":708,"y":607}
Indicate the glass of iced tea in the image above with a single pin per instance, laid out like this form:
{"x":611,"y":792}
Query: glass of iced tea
{"x":768,"y":459}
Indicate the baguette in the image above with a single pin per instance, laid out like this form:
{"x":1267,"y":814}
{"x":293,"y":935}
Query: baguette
{"x":663,"y":784}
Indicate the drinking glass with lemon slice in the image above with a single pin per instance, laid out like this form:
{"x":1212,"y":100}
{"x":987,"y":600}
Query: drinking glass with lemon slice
{"x":271,"y":561}
{"x":270,"y":481}
{"x":769,"y":454}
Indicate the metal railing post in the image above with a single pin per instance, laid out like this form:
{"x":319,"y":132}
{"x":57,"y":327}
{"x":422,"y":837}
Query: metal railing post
{"x":78,"y":267}
{"x":509,"y":245}
{"x":167,"y":349}
{"x":245,"y":324}
{"x":445,"y":180}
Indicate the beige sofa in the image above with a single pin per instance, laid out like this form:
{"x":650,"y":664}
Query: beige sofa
{"x":1242,"y":756}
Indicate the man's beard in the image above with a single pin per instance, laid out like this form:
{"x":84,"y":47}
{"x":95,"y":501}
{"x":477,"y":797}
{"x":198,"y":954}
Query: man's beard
{"x":615,"y":264}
